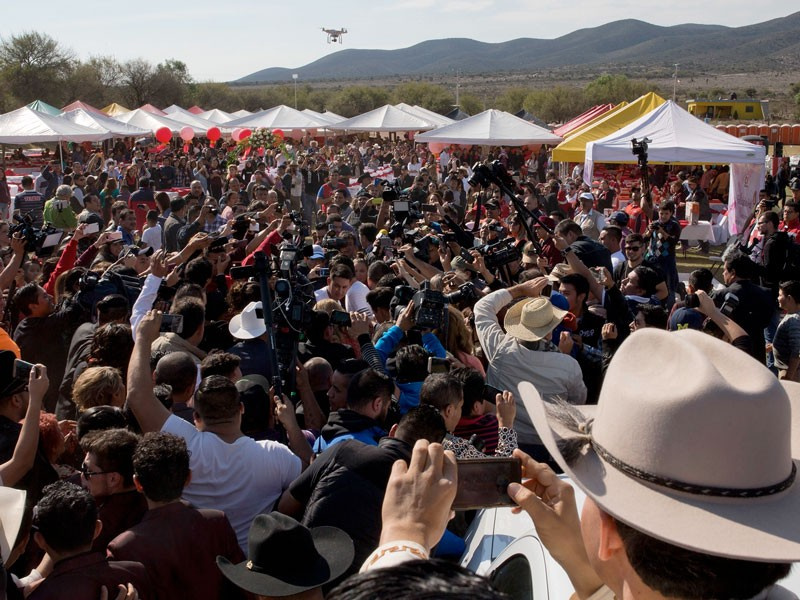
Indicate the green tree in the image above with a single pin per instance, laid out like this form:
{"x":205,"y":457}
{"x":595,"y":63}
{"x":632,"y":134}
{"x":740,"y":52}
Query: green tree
{"x":512,"y":100}
{"x":170,"y":83}
{"x":33,"y":65}
{"x":357,"y":99}
{"x":428,"y":95}
{"x":96,"y":81}
{"x":471,"y":104}
{"x":137,"y":81}
{"x":615,"y":88}
{"x":557,"y":104}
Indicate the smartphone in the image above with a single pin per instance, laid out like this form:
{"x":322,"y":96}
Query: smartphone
{"x":91,"y":228}
{"x":482,"y":482}
{"x":401,"y":207}
{"x":255,"y":226}
{"x":438,"y":365}
{"x":341,"y":318}
{"x":114,"y":236}
{"x":465,"y":254}
{"x":490,"y":393}
{"x":22,"y":369}
{"x":324,"y":271}
{"x":432,"y":208}
{"x":171,"y":323}
{"x":377,"y":201}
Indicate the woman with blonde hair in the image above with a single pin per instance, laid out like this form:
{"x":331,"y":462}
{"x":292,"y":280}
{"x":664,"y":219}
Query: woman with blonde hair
{"x":459,"y":341}
{"x":98,"y":386}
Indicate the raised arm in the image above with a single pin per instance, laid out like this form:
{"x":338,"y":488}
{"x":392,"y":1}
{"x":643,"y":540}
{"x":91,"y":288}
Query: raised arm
{"x":21,"y":461}
{"x":8,"y":274}
{"x":150,"y":413}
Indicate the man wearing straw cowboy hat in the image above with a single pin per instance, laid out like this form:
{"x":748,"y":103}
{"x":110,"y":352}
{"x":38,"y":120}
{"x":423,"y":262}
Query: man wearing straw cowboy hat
{"x":525,"y":351}
{"x":691,"y":487}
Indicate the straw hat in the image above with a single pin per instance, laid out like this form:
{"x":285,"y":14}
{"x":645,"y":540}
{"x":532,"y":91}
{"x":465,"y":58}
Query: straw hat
{"x":699,"y":451}
{"x":559,"y":271}
{"x":532,"y":319}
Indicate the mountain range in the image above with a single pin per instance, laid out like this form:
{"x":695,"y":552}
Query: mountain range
{"x":771,"y":45}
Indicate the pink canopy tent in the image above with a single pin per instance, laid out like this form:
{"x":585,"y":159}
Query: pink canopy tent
{"x":79,"y":104}
{"x":195,"y":110}
{"x":582,"y":118}
{"x":153,"y":110}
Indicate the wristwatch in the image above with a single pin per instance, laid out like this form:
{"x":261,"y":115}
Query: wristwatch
{"x":566,"y":251}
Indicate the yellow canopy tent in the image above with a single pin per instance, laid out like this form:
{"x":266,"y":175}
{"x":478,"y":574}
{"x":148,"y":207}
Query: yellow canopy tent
{"x":573,"y":149}
{"x":114,"y":109}
{"x":595,"y":120}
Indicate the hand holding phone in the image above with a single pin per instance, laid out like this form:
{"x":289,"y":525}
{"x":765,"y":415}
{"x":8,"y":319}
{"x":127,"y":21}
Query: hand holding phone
{"x":482,"y":482}
{"x":171,"y":323}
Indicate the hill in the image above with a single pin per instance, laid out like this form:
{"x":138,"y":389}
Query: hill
{"x":772,"y":44}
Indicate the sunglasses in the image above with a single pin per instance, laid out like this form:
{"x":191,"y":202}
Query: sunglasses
{"x":87,"y":474}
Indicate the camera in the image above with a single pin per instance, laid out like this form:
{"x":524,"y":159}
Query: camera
{"x":730,"y":304}
{"x":639,"y":147}
{"x":500,"y":253}
{"x":429,"y":308}
{"x":333,"y":243}
{"x":692,"y":301}
{"x":466,"y":293}
{"x":35,"y":239}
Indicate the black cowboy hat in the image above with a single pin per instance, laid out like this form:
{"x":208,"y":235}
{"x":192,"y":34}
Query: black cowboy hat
{"x":287,"y":558}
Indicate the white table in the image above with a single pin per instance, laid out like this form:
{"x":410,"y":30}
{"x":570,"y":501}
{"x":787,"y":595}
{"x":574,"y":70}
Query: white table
{"x":703,"y":232}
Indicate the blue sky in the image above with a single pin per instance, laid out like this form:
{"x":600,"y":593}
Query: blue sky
{"x":226,"y":39}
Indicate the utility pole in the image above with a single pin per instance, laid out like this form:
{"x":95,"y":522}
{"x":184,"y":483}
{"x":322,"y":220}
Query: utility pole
{"x":675,"y":83}
{"x":294,"y":76}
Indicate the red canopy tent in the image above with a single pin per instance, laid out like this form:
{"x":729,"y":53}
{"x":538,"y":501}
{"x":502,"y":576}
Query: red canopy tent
{"x":195,"y":110}
{"x":582,"y":118}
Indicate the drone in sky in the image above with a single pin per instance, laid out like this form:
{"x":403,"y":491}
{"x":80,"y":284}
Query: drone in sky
{"x":335,"y":35}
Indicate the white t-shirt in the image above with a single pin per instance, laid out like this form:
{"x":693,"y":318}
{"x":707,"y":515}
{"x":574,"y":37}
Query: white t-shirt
{"x":354,"y":301}
{"x":243,"y":479}
{"x":152,"y":237}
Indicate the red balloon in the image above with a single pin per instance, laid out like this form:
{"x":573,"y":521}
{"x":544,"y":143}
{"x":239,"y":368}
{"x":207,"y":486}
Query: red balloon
{"x":278,"y":133}
{"x":244,"y":134}
{"x":213,"y":134}
{"x":163,"y":135}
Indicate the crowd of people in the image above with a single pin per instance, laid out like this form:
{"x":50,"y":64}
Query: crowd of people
{"x":422,"y":317}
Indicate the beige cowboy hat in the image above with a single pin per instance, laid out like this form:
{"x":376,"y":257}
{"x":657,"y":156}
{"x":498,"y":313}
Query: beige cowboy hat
{"x":532,"y":319}
{"x":696,"y":446}
{"x":559,"y":271}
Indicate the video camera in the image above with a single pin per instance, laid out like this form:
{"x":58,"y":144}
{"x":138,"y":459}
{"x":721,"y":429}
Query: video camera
{"x":466,"y":294}
{"x":41,"y":241}
{"x":639,"y":148}
{"x":500,"y":253}
{"x":430,"y":307}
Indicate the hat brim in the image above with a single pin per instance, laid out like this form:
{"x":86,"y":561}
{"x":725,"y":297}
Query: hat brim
{"x":764,"y":529}
{"x":236,"y":329}
{"x":514,"y":327}
{"x":333,"y":545}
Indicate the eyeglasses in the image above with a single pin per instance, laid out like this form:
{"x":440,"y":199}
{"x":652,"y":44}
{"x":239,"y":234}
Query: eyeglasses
{"x":89,"y":474}
{"x":633,"y":248}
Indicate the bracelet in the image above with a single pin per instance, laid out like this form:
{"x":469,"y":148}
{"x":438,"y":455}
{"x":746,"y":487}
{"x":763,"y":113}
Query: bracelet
{"x":394,"y":553}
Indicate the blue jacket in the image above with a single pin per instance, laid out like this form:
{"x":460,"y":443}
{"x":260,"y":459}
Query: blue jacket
{"x":409,"y":392}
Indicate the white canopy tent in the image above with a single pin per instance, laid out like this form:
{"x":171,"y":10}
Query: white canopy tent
{"x":491,"y":127}
{"x":28,"y":126}
{"x":679,"y":137}
{"x":425,"y":114}
{"x":217,"y":116}
{"x":103,"y":123}
{"x":280,"y":117}
{"x":196,"y":122}
{"x":329,"y":118}
{"x":152,"y":122}
{"x":386,"y":119}
{"x":332,"y":116}
{"x":241,"y":113}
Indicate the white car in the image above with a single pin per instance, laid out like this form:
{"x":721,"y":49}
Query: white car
{"x":505,"y":548}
